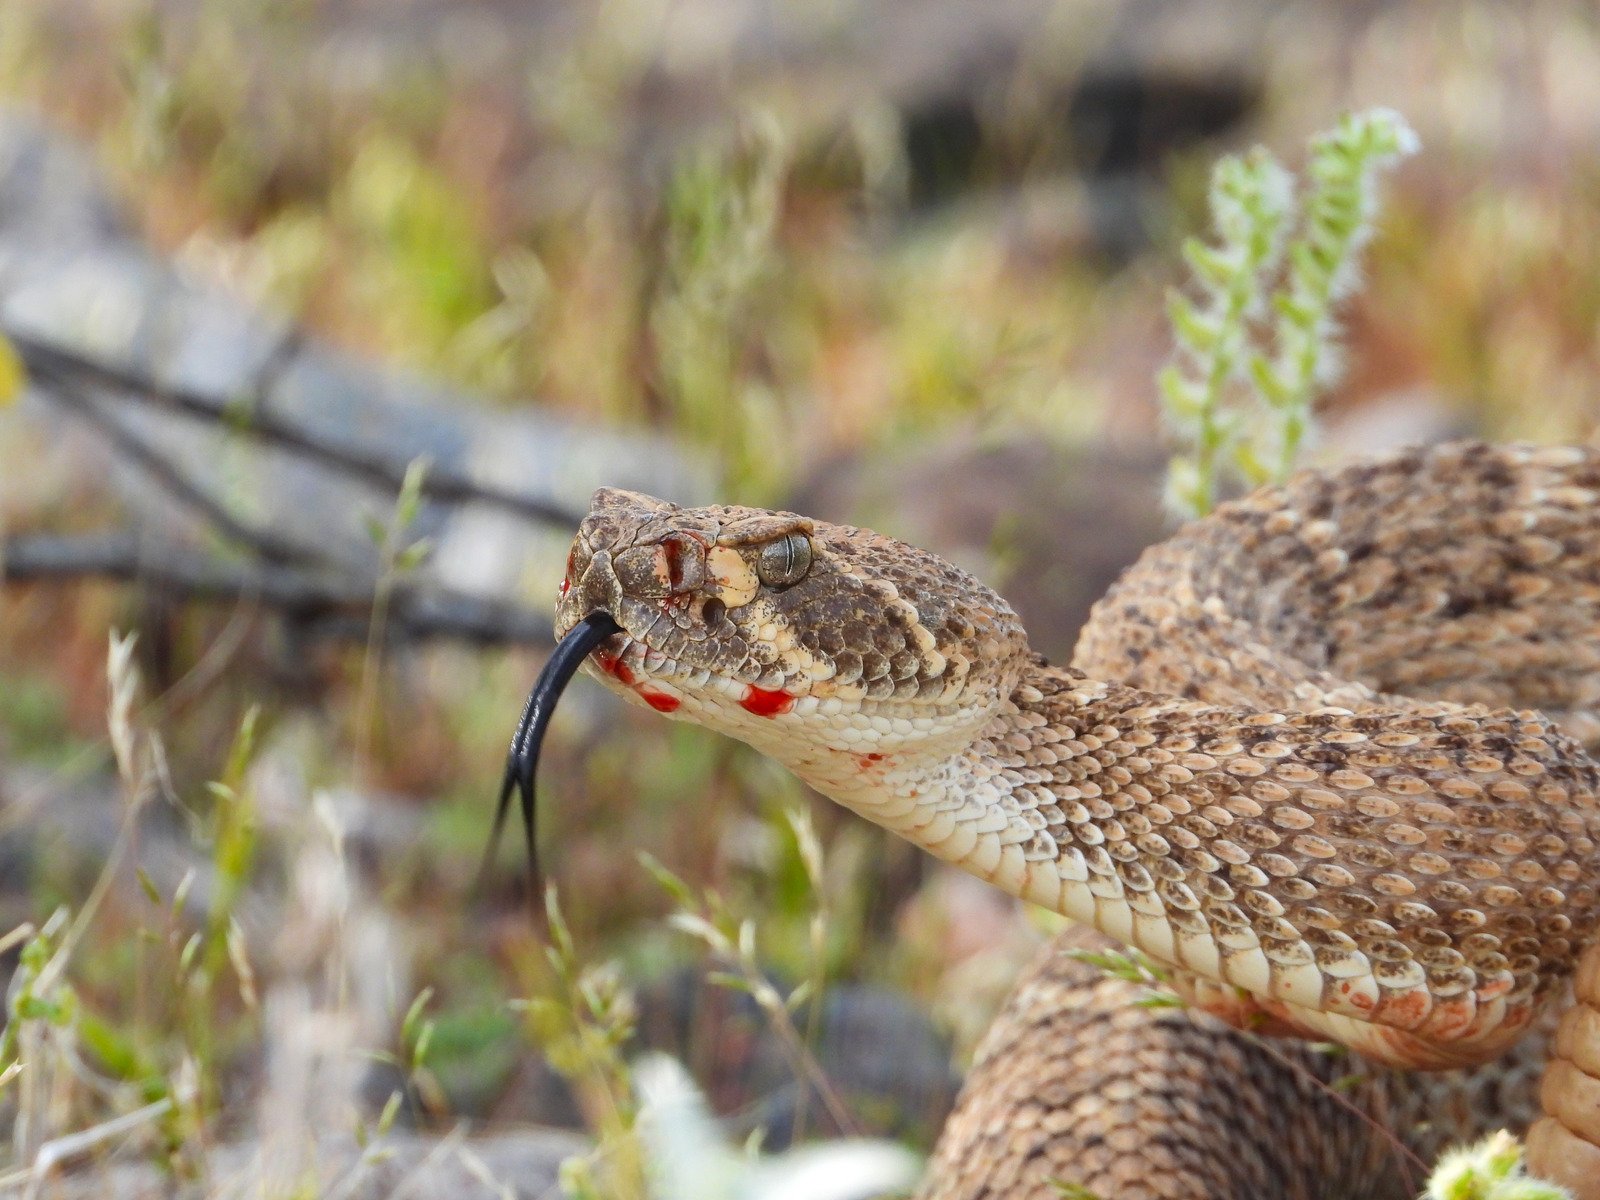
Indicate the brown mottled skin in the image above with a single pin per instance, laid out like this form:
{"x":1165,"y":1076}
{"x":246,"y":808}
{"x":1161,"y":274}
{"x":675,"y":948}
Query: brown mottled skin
{"x":1076,"y":1083}
{"x":1271,"y":768}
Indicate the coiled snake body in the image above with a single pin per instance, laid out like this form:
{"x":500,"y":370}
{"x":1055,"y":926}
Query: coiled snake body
{"x":1282,"y":766}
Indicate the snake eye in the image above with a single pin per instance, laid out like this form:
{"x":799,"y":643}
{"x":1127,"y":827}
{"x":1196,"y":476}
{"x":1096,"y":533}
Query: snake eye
{"x":785,"y":561}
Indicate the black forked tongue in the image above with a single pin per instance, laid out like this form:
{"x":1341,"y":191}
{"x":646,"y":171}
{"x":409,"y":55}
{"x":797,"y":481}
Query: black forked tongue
{"x":522,"y":763}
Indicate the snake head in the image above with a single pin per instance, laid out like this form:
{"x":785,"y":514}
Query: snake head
{"x":749,"y":621}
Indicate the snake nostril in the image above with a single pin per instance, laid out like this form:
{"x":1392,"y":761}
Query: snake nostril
{"x":713,"y":612}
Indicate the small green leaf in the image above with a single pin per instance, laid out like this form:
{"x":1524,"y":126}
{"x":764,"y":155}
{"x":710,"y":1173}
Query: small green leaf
{"x":669,"y":883}
{"x":414,"y":555}
{"x":1251,"y":469}
{"x":186,"y":956}
{"x":1265,"y":376}
{"x":1159,"y":1000}
{"x":243,"y":748}
{"x":180,"y":898}
{"x":409,"y":502}
{"x":1295,"y":311}
{"x":35,"y":954}
{"x":729,"y":980}
{"x":1214,"y":268}
{"x":1196,"y":331}
{"x":117,"y":1052}
{"x":391,"y":1110}
{"x":1185,"y":398}
{"x":419,"y":1052}
{"x":409,"y":1024}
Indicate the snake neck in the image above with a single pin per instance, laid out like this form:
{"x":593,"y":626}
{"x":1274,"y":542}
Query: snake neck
{"x":1367,"y":876}
{"x":986,"y":802}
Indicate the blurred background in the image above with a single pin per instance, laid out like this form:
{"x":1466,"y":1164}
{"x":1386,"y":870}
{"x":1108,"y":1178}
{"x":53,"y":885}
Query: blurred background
{"x":333,"y":312}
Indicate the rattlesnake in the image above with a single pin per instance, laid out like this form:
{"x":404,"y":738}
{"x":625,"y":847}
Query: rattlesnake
{"x":1273,"y":768}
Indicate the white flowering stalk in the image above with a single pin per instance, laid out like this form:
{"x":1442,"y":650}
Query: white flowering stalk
{"x":1251,"y":199}
{"x":1341,"y":209}
{"x":1489,"y":1170}
{"x":1220,"y":379}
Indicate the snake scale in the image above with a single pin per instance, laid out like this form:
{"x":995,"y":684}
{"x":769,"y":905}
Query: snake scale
{"x":1324,"y":755}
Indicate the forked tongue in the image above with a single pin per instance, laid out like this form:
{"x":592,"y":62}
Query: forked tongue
{"x":522,"y":763}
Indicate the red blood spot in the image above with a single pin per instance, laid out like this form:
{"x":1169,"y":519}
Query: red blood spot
{"x":1450,"y":1019}
{"x":765,"y":703}
{"x":1493,"y":989}
{"x":867,"y":761}
{"x":1405,"y":1010}
{"x":660,"y":701}
{"x":612,"y":665}
{"x":681,"y":560}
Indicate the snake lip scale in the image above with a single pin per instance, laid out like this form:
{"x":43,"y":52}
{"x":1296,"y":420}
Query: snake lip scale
{"x":1282,"y":763}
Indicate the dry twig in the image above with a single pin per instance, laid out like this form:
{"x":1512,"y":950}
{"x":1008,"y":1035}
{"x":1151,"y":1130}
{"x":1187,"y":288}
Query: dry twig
{"x":252,"y":414}
{"x":323,"y":604}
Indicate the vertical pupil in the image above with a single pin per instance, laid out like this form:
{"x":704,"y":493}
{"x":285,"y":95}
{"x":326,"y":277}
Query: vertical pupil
{"x":786,"y":549}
